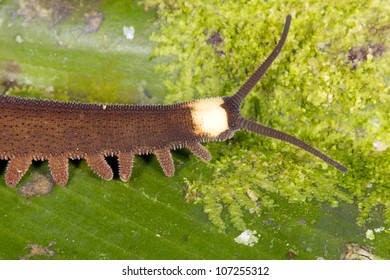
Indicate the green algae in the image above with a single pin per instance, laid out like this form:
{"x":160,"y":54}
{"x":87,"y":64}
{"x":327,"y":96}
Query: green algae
{"x":330,"y":87}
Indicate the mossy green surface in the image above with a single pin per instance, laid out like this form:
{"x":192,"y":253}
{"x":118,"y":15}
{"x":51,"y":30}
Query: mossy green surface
{"x":300,"y":207}
{"x":316,"y":90}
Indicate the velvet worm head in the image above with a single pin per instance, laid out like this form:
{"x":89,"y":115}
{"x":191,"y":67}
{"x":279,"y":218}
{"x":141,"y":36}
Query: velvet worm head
{"x":33,"y":129}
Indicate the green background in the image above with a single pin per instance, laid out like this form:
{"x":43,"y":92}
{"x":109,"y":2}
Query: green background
{"x":46,"y":52}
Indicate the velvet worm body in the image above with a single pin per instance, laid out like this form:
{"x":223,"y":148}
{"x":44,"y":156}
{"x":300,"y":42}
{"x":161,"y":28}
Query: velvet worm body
{"x":33,"y":129}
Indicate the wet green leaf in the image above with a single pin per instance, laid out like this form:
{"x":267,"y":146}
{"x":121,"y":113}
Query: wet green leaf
{"x":298,"y":210}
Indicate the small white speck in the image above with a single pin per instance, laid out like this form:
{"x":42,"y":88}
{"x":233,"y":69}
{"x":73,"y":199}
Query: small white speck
{"x":128,"y":31}
{"x":158,"y":235}
{"x":252,"y":195}
{"x":104,"y":107}
{"x":19,"y":39}
{"x":248,"y":238}
{"x":378,"y":146}
{"x":370,"y":234}
{"x":379,"y":229}
{"x":330,"y":98}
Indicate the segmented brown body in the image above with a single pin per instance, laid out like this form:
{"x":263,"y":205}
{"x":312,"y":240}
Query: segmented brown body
{"x":56,"y":131}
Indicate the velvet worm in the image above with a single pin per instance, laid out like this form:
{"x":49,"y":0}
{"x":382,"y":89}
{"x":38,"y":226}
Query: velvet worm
{"x":32,"y":129}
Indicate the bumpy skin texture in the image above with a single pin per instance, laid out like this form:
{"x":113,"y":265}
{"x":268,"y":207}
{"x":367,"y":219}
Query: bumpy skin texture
{"x":41,"y":128}
{"x":55,"y":131}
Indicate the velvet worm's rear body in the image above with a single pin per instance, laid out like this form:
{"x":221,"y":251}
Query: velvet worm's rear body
{"x":56,"y":131}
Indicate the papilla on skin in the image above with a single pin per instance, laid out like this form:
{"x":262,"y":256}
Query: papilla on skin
{"x":33,"y":129}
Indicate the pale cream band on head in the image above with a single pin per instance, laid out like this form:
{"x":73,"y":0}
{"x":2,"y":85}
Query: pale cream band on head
{"x":209,"y":118}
